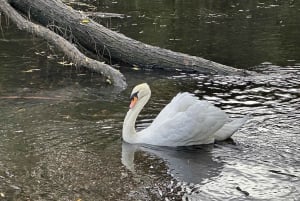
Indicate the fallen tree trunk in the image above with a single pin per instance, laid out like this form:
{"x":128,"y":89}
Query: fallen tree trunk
{"x":112,"y":45}
{"x":70,"y":50}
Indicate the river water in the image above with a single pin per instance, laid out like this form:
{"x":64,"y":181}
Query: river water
{"x":60,"y":127}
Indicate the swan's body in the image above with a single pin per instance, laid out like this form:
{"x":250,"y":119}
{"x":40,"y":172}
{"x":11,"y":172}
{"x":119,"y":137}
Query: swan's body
{"x":184,"y":121}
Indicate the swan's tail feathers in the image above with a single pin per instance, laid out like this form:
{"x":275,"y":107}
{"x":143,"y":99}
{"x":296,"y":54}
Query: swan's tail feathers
{"x":228,"y":129}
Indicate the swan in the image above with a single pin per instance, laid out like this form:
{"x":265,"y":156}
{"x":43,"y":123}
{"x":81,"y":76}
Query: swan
{"x":185,"y":121}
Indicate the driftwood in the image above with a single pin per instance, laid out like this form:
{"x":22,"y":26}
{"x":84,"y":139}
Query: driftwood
{"x":31,"y":97}
{"x":69,"y":50}
{"x":110,"y":44}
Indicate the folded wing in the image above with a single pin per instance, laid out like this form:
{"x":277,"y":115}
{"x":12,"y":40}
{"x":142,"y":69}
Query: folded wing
{"x":185,"y":121}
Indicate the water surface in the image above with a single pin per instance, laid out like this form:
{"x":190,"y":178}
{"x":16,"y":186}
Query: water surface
{"x":60,"y":126}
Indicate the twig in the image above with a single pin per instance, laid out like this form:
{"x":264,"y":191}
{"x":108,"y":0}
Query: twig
{"x":104,"y":15}
{"x":31,"y":97}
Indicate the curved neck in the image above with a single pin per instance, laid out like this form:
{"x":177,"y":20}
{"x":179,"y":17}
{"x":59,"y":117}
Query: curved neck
{"x":129,"y":133}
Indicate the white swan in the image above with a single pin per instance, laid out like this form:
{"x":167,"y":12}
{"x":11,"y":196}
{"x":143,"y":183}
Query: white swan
{"x":184,"y":121}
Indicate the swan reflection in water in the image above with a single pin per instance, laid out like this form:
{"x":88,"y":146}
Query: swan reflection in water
{"x":187,"y":164}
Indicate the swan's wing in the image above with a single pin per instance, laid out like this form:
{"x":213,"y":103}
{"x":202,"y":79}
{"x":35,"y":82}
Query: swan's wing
{"x":180,"y":103}
{"x":195,"y":125}
{"x":229,"y":128}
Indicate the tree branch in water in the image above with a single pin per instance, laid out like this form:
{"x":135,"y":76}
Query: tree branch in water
{"x":78,"y":58}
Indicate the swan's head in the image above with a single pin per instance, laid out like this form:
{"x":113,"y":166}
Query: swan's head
{"x":140,"y":93}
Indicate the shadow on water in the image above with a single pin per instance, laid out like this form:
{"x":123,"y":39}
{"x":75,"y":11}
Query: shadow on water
{"x":187,"y":164}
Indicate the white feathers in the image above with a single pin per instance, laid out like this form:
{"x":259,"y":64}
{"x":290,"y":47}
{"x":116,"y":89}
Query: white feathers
{"x":184,"y":121}
{"x":229,"y":128}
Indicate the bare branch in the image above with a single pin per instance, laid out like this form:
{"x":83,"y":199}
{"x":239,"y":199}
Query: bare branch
{"x":69,"y":49}
{"x":121,"y":48}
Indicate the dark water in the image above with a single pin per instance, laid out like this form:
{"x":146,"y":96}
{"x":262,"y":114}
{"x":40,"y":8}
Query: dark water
{"x":60,"y":128}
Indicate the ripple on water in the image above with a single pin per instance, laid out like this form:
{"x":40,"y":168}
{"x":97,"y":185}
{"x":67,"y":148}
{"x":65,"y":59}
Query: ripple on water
{"x":73,"y":146}
{"x":265,"y":164}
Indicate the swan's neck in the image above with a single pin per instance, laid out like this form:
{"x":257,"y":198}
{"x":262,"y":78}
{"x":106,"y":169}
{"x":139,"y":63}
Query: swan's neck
{"x":129,"y":133}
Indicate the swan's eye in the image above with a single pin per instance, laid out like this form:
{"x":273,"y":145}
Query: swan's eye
{"x":134,"y":95}
{"x":133,"y":100}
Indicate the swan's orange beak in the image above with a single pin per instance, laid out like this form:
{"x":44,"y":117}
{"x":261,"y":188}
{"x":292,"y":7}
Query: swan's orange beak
{"x":133,"y":102}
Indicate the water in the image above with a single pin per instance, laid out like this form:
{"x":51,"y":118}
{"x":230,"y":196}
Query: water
{"x":60,"y":128}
